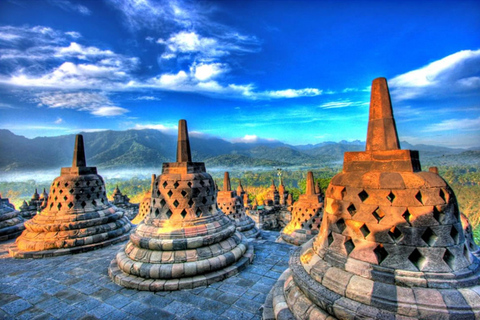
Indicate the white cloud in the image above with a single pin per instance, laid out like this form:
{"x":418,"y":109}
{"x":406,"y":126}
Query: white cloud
{"x":6,"y":106}
{"x":69,"y":6}
{"x":205,"y":71}
{"x":168,"y":128}
{"x":58,"y":121}
{"x":293,"y":93}
{"x":456,"y":73}
{"x":342,"y":104}
{"x":455,"y":124}
{"x":251,"y":138}
{"x":85,"y":53}
{"x":93,"y":102}
{"x":148,"y":98}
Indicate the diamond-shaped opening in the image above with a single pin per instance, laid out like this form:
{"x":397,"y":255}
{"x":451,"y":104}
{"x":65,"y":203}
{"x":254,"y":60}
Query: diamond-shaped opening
{"x":351,"y":209}
{"x":395,"y":234}
{"x":364,"y":230}
{"x":170,"y":193}
{"x":343,"y":193}
{"x":92,"y":189}
{"x":349,"y":245}
{"x":341,"y":225}
{"x":380,"y":253}
{"x":391,"y":197}
{"x":438,"y":215}
{"x":59,"y":206}
{"x":189,"y":184}
{"x":198,"y":213}
{"x":158,"y":193}
{"x":103,"y":200}
{"x":195,"y":192}
{"x":168,"y":213}
{"x":208,"y":191}
{"x":65,"y":198}
{"x":157,"y":212}
{"x":176,"y":203}
{"x":164,"y":184}
{"x":58,"y":184}
{"x":66,"y":184}
{"x":88,"y":183}
{"x":76,"y":184}
{"x":60,"y":191}
{"x":378,"y":214}
{"x":183,"y":213}
{"x":363,"y":195}
{"x":442,"y":195}
{"x":83,"y":204}
{"x":204,"y":200}
{"x":175,"y":185}
{"x":89,"y":195}
{"x":184,"y":193}
{"x":94,"y":202}
{"x":162,"y":202}
{"x":202,"y":183}
{"x":51,"y":205}
{"x":417,"y":259}
{"x":70,"y":191}
{"x":407,"y":216}
{"x":454,"y":234}
{"x":429,"y":236}
{"x":449,"y":259}
{"x":190,"y":203}
{"x":418,"y":196}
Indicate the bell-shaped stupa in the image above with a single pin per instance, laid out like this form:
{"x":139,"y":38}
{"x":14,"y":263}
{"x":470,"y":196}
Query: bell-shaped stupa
{"x":232,"y":205}
{"x":185,"y":241}
{"x":11,"y":222}
{"x":78,"y":216}
{"x":391,"y":243}
{"x":307,"y":215}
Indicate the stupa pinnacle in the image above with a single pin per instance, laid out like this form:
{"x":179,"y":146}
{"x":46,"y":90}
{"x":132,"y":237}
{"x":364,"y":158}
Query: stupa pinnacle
{"x":77,"y":217}
{"x":185,"y":241}
{"x":232,"y":205}
{"x":391,"y":244}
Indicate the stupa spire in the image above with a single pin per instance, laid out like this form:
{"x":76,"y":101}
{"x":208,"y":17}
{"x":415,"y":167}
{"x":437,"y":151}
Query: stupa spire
{"x":79,"y":153}
{"x":183,"y":144}
{"x":226,"y":182}
{"x":310,"y":188}
{"x":382,"y":132}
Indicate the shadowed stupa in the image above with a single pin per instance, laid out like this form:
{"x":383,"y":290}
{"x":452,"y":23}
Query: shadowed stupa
{"x":232,"y":205}
{"x":77,"y":218}
{"x":11,"y":222}
{"x":307,"y":215}
{"x":185,"y":241}
{"x":391,"y":243}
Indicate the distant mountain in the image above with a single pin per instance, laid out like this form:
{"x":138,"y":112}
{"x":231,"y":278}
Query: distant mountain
{"x":150,"y":148}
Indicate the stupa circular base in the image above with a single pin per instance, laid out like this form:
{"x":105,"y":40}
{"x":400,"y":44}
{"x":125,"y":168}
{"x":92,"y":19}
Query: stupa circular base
{"x":298,"y":237}
{"x":252,"y":233}
{"x":64,"y":251}
{"x":145,"y":284}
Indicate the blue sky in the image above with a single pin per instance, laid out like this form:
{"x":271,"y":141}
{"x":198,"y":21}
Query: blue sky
{"x":294,"y":71}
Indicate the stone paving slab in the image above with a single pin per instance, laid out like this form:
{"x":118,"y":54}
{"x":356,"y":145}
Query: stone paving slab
{"x":78,"y":287}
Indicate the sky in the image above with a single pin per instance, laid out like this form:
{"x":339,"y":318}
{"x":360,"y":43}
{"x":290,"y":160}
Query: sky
{"x":294,"y":71}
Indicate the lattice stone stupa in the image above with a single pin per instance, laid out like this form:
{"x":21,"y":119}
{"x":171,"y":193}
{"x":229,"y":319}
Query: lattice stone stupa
{"x":78,"y":216}
{"x":307,"y":215}
{"x":232,"y":205}
{"x":11,"y":222}
{"x":391,"y":243}
{"x":185,"y":241}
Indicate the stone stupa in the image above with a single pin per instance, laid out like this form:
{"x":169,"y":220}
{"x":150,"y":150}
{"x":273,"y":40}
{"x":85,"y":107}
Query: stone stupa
{"x":11,"y":222}
{"x":78,"y":216}
{"x":185,"y":241}
{"x":307,"y":215}
{"x":391,"y":243}
{"x":232,"y":205}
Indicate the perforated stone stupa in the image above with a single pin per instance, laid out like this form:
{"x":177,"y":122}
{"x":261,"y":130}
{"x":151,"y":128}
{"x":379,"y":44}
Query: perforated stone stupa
{"x":77,"y":218}
{"x":185,"y":241}
{"x":307,"y":215}
{"x":232,"y":205}
{"x":391,"y":243}
{"x":11,"y":222}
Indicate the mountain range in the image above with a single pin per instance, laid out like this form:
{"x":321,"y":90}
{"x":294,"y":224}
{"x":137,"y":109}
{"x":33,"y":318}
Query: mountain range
{"x":147,"y":148}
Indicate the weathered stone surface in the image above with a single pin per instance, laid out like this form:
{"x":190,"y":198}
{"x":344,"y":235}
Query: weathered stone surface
{"x":77,"y":216}
{"x":391,"y":244}
{"x":184,"y":240}
{"x":11,"y":221}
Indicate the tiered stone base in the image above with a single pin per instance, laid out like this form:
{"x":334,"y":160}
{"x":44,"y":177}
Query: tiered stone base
{"x":175,"y":281}
{"x":28,"y":214}
{"x":247,"y":227}
{"x":54,"y":235}
{"x":298,"y":237}
{"x":329,"y":293}
{"x":11,"y":225}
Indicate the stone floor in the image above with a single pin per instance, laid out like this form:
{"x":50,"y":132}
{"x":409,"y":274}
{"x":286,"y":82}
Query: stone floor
{"x":78,"y":287}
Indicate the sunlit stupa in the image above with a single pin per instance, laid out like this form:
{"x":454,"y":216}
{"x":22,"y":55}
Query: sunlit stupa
{"x":232,"y":205}
{"x":391,"y":243}
{"x":78,"y":216}
{"x":185,"y":241}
